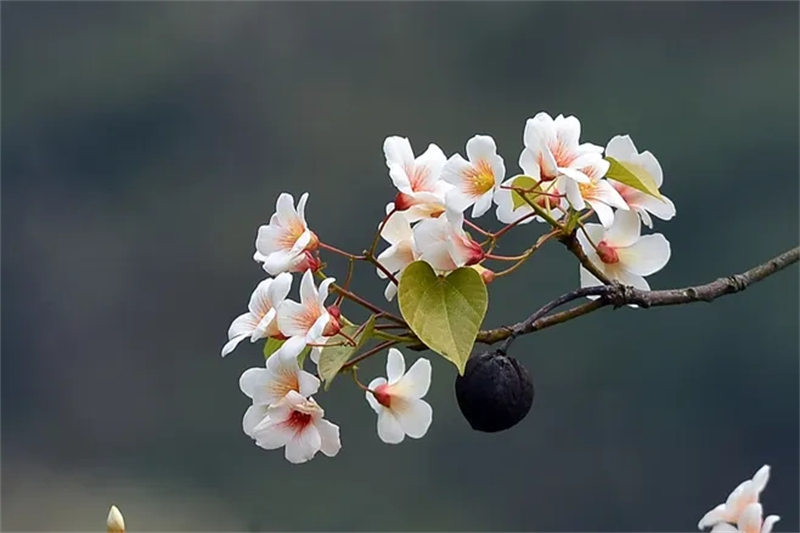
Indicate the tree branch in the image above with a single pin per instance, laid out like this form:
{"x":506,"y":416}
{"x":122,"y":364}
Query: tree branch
{"x":618,"y":295}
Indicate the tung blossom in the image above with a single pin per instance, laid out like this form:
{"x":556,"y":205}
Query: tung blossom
{"x":475,"y":181}
{"x":297,"y":424}
{"x":422,"y":192}
{"x":282,"y":244}
{"x":622,"y":254}
{"x":747,"y":493}
{"x":750,"y":521}
{"x":402,"y":252}
{"x":622,"y":149}
{"x":307,"y":322}
{"x":553,"y":147}
{"x":598,"y":193}
{"x":549,"y":196}
{"x":260,"y":320}
{"x":443,"y":243}
{"x":398,"y":399}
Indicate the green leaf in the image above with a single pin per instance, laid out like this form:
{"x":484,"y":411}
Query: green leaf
{"x":445,"y":312}
{"x":523,"y":182}
{"x":333,"y":358}
{"x":634,"y":176}
{"x":271,"y":346}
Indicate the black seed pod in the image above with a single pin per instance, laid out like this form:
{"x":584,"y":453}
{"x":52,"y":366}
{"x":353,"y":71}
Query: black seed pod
{"x":494,"y":393}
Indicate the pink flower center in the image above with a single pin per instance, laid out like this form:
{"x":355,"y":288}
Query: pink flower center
{"x":607,"y":253}
{"x":381,"y":394}
{"x":298,"y":420}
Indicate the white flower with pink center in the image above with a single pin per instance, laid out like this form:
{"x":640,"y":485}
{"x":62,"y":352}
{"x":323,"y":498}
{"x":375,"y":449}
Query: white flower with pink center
{"x":296,"y":423}
{"x":622,"y":149}
{"x":422,"y":191}
{"x":398,"y":399}
{"x":307,"y":322}
{"x":598,"y":193}
{"x":259,"y":321}
{"x":281,"y":244}
{"x":402,"y":250}
{"x":553,"y":148}
{"x":443,"y":243}
{"x":475,"y":181}
{"x":742,"y":497}
{"x":622,"y":254}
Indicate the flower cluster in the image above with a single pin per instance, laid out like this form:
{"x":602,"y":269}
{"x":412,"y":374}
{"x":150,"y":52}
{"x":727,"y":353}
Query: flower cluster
{"x":742,"y":511}
{"x":564,"y":181}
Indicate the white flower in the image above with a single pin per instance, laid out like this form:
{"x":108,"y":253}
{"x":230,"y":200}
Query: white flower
{"x":281,"y":375}
{"x":475,"y":181}
{"x":553,"y":147}
{"x":622,"y":254}
{"x":267,"y":386}
{"x":259,"y":322}
{"x":402,"y":252}
{"x":398,"y":401}
{"x":422,"y":192}
{"x":598,"y":193}
{"x":444,"y":244}
{"x":622,"y":149}
{"x":748,"y":492}
{"x":307,"y":322}
{"x":750,"y":521}
{"x":115,"y":523}
{"x":296,"y":422}
{"x":281,"y":243}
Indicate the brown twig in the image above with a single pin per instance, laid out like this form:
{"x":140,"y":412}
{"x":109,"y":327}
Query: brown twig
{"x":618,"y":295}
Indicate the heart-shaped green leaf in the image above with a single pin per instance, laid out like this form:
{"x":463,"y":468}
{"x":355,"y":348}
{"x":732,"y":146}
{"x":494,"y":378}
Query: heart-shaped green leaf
{"x":634,"y":176}
{"x":331,"y":359}
{"x":445,"y":312}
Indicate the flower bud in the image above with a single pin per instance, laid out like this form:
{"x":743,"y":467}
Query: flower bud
{"x":486,"y":274}
{"x":495,"y":392}
{"x":115,"y":523}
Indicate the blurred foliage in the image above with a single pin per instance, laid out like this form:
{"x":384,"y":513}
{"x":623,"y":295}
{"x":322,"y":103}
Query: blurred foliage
{"x":143,"y":144}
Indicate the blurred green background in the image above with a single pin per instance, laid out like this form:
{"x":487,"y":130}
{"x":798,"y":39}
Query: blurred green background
{"x":144,"y":143}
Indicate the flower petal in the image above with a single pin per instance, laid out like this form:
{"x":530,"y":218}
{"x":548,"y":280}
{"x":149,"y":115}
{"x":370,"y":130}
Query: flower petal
{"x":389,"y":429}
{"x":232,"y":344}
{"x":625,"y":231}
{"x":395,"y":366}
{"x":723,"y":527}
{"x":324,"y":290}
{"x":280,"y":261}
{"x":646,"y":256}
{"x":284,"y":208}
{"x":604,"y":213}
{"x":415,"y":383}
{"x":252,"y":380}
{"x":529,"y":165}
{"x":621,"y":148}
{"x":254,"y":415}
{"x":750,"y":519}
{"x":397,"y":150}
{"x":330,"y":441}
{"x":304,"y":446}
{"x":292,"y":319}
{"x":429,"y":166}
{"x":760,"y":479}
{"x":769,"y":522}
{"x":482,"y":204}
{"x":414,"y":417}
{"x":714,"y":516}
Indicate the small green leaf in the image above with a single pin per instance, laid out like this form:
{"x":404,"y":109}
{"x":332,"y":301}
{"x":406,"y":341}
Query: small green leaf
{"x":333,"y":358}
{"x":523,"y":182}
{"x":634,"y":176}
{"x":271,"y":346}
{"x":445,"y":312}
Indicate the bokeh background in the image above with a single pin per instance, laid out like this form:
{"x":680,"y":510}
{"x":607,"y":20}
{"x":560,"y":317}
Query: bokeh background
{"x":144,"y":143}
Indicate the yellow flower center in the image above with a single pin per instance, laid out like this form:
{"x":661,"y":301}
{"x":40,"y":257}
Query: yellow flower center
{"x":480,"y":178}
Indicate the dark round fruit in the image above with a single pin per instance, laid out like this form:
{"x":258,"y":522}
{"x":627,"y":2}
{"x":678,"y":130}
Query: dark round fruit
{"x":494,"y":393}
